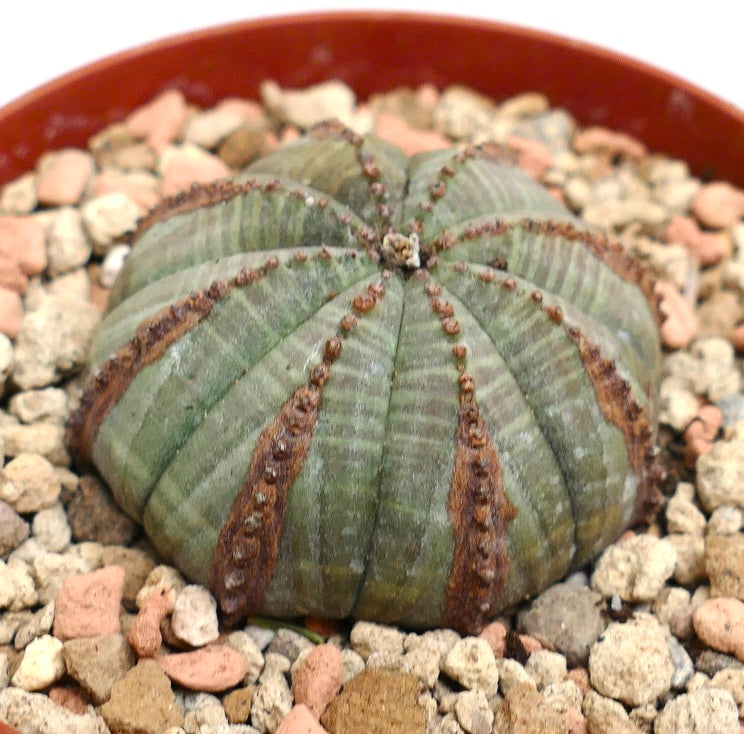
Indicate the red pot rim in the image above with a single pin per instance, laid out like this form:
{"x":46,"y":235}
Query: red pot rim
{"x":377,"y":51}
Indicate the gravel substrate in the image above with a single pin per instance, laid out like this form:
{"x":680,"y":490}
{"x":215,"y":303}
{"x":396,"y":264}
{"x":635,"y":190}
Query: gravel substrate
{"x":97,"y":635}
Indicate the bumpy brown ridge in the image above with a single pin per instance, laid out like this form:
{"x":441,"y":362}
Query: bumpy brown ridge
{"x":477,"y":504}
{"x":153,"y":336}
{"x":619,"y":409}
{"x":247,"y":548}
{"x":245,"y":556}
{"x":610,"y":253}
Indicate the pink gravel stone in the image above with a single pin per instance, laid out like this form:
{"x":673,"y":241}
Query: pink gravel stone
{"x":22,"y":239}
{"x":395,"y":129}
{"x":11,"y":312}
{"x":159,"y":121}
{"x":601,"y":139}
{"x":495,"y":635}
{"x":576,"y":721}
{"x":63,"y":177}
{"x":88,"y":604}
{"x":300,"y":721}
{"x":186,"y":165}
{"x":530,"y":644}
{"x":213,"y":668}
{"x":144,"y":635}
{"x":718,"y":205}
{"x":708,"y":247}
{"x":701,"y":433}
{"x":533,"y":156}
{"x":719,"y":623}
{"x":11,"y":275}
{"x":71,"y":697}
{"x":681,"y":322}
{"x":318,"y":679}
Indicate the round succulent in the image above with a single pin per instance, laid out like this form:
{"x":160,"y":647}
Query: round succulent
{"x":353,"y":383}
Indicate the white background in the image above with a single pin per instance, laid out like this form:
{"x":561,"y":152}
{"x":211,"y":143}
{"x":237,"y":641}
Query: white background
{"x":701,"y":42}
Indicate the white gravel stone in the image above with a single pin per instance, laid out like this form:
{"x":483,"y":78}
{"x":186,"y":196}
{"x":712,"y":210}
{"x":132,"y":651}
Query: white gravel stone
{"x":690,"y":566}
{"x":422,"y":657}
{"x":210,"y":127}
{"x":108,"y":217}
{"x":725,"y":520}
{"x":42,"y":664}
{"x":605,"y":715}
{"x":203,"y":713}
{"x":112,"y":264}
{"x":51,"y":529}
{"x":6,"y":359}
{"x":546,"y":667}
{"x":719,"y":375}
{"x":41,"y":438}
{"x":473,"y":712}
{"x":35,"y":712}
{"x":472,"y":664}
{"x":353,"y":664}
{"x":731,"y":680}
{"x":369,"y":637}
{"x":40,"y":623}
{"x":53,"y":340}
{"x":26,"y":595}
{"x":48,"y":404}
{"x":678,"y":405}
{"x":306,"y":107}
{"x":52,"y":569}
{"x":683,"y":516}
{"x":563,"y":695}
{"x":631,"y":661}
{"x":720,"y":472}
{"x":19,"y":195}
{"x":161,"y":576}
{"x":74,"y":284}
{"x":194,"y":617}
{"x":635,"y":568}
{"x":28,"y":483}
{"x":704,"y":711}
{"x":68,"y":246}
{"x":271,"y":702}
{"x":247,"y":647}
{"x":4,"y":670}
{"x":512,"y":673}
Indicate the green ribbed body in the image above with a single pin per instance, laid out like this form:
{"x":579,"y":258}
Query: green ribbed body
{"x":367,"y":530}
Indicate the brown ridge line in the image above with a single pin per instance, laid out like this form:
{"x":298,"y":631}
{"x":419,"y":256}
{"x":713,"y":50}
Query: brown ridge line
{"x":103,"y":389}
{"x":480,"y":514}
{"x":477,"y":505}
{"x":610,"y":253}
{"x":621,"y":410}
{"x":199,"y":196}
{"x":247,"y":549}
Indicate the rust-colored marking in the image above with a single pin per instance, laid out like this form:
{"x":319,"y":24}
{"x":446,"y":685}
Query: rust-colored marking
{"x":103,"y":390}
{"x":480,"y":513}
{"x":620,"y":409}
{"x":248,"y":545}
{"x":196,"y":197}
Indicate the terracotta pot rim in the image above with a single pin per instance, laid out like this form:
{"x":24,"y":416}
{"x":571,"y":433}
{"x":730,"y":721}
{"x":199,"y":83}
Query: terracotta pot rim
{"x":387,"y":23}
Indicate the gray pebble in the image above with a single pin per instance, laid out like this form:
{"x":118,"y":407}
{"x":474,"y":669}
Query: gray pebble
{"x":288,"y":643}
{"x":732,"y":407}
{"x":711,"y":662}
{"x":40,"y":623}
{"x":566,"y":618}
{"x":682,"y":662}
